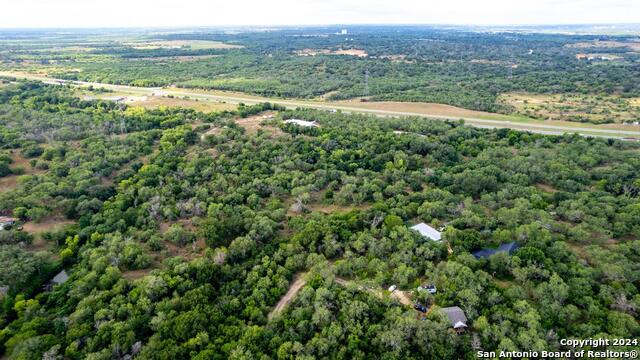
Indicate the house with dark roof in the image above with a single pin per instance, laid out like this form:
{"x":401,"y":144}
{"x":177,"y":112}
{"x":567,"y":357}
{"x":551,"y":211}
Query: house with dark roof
{"x":59,"y":279}
{"x":457,"y":318}
{"x":509,"y":248}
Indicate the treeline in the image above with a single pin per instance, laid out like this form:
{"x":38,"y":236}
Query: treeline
{"x":412,"y":64}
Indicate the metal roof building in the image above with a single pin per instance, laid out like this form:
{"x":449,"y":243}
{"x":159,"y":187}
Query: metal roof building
{"x":303,"y":123}
{"x":427,"y":231}
{"x":60,"y":278}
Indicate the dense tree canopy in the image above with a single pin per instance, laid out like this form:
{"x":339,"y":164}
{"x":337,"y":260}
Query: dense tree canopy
{"x":181,"y":243}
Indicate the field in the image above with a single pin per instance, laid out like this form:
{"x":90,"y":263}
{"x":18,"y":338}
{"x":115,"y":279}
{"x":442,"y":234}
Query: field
{"x":349,"y":52}
{"x":254,"y":123}
{"x":152,"y":102}
{"x":425,"y":108}
{"x":180,"y":44}
{"x":9,"y":182}
{"x":633,"y":44}
{"x":597,"y":109}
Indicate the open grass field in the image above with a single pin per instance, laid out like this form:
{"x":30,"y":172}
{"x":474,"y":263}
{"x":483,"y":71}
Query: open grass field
{"x":152,"y":102}
{"x":48,"y":224}
{"x":254,"y":123}
{"x":11,"y":181}
{"x":177,"y":59}
{"x":633,"y":44}
{"x":575,"y":107}
{"x":177,"y":44}
{"x":418,"y":107}
{"x":8,"y":183}
{"x":349,"y":52}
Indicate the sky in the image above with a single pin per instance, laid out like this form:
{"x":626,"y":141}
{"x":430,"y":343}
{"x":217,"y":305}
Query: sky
{"x":187,"y":13}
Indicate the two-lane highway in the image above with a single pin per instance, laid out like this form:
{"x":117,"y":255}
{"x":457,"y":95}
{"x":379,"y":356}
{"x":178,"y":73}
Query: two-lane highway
{"x":234,"y":98}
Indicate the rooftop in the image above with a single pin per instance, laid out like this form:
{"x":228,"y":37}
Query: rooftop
{"x":456,"y":316}
{"x":301,"y":122}
{"x":61,"y":278}
{"x":427,"y":231}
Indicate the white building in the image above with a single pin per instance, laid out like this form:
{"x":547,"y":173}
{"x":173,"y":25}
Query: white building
{"x":299,"y":122}
{"x":427,"y":231}
{"x":344,"y":32}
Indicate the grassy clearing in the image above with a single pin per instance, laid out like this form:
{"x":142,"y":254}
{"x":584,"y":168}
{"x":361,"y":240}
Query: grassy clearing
{"x":596,"y":109}
{"x":182,"y":58}
{"x":136,"y":274}
{"x":178,"y":44}
{"x":254,"y":123}
{"x":10,"y":182}
{"x":503,"y":284}
{"x":546,"y":188}
{"x":334,"y":208}
{"x":348,"y":52}
{"x":47,"y":224}
{"x":427,"y":108}
{"x":152,"y":102}
{"x":633,"y":45}
{"x":229,"y":83}
{"x":37,"y":228}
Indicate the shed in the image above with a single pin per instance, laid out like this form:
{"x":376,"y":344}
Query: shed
{"x":456,"y":316}
{"x":427,"y":231}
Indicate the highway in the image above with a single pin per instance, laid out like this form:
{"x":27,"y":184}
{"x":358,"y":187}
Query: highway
{"x":234,"y":98}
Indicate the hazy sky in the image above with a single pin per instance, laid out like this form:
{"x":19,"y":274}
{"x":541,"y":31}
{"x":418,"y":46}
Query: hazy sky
{"x":140,"y":13}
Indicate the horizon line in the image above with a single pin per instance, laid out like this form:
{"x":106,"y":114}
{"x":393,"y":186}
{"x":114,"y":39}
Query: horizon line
{"x":312,"y":25}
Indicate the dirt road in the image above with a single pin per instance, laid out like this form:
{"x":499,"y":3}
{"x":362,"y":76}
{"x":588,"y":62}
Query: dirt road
{"x":371,"y":108}
{"x":295,"y":287}
{"x":402,"y":297}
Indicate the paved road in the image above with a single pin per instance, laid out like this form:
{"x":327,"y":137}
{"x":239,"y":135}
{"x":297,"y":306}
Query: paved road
{"x":236,"y":98}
